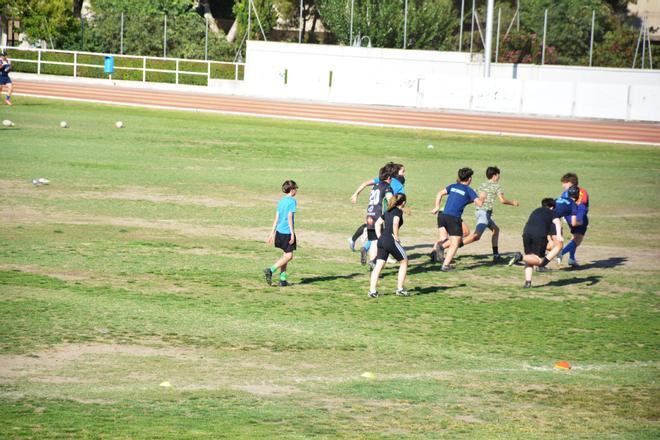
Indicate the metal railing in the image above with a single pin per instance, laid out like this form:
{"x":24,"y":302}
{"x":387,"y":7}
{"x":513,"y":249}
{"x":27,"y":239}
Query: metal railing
{"x":127,"y":67}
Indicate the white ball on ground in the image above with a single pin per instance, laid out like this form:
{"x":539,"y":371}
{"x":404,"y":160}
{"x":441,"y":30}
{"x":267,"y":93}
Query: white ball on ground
{"x":119,"y":124}
{"x":64,"y":124}
{"x":429,"y":146}
{"x":7,"y":123}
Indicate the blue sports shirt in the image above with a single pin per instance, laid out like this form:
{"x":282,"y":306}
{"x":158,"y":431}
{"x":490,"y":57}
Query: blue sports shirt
{"x":396,"y":185}
{"x":286,"y":205}
{"x":565,"y":207}
{"x":458,"y":197}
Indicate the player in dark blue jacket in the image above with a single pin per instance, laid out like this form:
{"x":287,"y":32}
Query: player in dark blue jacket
{"x":5,"y":81}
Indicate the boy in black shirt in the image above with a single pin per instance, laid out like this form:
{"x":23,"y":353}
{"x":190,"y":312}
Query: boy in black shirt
{"x":542,"y":223}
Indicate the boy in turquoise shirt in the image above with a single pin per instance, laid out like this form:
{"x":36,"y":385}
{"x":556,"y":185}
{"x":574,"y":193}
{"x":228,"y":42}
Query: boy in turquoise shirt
{"x":283,"y":234}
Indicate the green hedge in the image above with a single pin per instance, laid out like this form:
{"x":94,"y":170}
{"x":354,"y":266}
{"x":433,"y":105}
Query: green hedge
{"x":218,"y":71}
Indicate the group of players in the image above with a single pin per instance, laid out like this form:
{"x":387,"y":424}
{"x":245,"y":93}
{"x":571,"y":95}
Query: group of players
{"x":542,"y":234}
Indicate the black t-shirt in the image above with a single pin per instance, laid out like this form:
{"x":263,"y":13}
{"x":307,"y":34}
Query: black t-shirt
{"x":539,"y":223}
{"x":389,"y":216}
{"x":375,"y":207}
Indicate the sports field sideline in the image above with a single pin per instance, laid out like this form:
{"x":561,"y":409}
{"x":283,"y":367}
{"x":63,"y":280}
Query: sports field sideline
{"x":132,"y":302}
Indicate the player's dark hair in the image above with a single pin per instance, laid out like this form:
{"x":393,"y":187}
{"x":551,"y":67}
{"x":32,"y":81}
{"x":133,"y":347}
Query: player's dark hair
{"x":572,"y":178}
{"x":289,"y":186}
{"x":573,"y":192}
{"x":397,"y":201}
{"x":384,"y":173}
{"x":464,"y":174}
{"x":492,"y":171}
{"x":548,"y":202}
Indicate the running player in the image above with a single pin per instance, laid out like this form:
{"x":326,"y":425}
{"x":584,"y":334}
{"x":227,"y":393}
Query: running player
{"x":381,"y":193}
{"x":397,"y":171}
{"x":542,"y":222}
{"x":283,"y":234}
{"x":488,"y":191}
{"x":5,"y":81}
{"x":390,"y":244}
{"x":450,"y":223}
{"x":568,"y":180}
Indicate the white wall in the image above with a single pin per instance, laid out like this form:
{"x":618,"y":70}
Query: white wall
{"x":447,"y":80}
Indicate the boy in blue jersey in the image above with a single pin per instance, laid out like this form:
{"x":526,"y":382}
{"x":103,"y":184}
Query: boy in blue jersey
{"x":396,"y":172}
{"x":578,"y":231}
{"x":283,"y":234}
{"x":450,"y":222}
{"x":5,"y":81}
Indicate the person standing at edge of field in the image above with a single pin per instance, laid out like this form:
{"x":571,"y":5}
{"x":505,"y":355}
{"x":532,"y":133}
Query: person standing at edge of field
{"x":578,"y":231}
{"x":542,"y":222}
{"x":488,"y":191}
{"x":390,"y":244}
{"x":450,"y":222}
{"x":397,"y":171}
{"x":283,"y":234}
{"x":5,"y":81}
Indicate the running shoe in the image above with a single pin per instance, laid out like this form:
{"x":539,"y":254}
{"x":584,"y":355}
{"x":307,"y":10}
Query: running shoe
{"x":401,"y":292}
{"x":363,"y":256}
{"x":517,"y":258}
{"x":572,"y":262}
{"x":528,"y":285}
{"x":373,"y":294}
{"x":447,"y":268}
{"x":542,"y":269}
{"x":8,"y":101}
{"x":284,"y":283}
{"x":268,"y":274}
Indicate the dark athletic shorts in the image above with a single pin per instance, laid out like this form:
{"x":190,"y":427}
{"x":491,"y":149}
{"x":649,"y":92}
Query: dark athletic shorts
{"x":582,"y":229}
{"x":388,"y":246}
{"x":282,"y":242}
{"x":453,"y":225}
{"x":371,"y":235}
{"x":5,"y":80}
{"x":535,"y":245}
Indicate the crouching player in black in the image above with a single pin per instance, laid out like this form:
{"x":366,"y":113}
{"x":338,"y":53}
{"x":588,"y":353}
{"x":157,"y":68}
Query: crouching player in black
{"x":542,"y":222}
{"x":389,"y":244}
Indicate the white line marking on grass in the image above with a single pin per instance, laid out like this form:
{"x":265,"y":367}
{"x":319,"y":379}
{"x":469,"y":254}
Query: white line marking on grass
{"x":334,"y":121}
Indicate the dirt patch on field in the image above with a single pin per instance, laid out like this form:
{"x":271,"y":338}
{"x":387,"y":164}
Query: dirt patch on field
{"x":15,"y":366}
{"x":68,"y":276}
{"x":131,"y":193}
{"x":268,"y":389}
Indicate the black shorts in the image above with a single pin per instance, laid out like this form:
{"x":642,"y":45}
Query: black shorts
{"x":582,"y":229}
{"x":371,"y":235}
{"x":4,"y":81}
{"x":388,"y":246}
{"x":535,"y":245}
{"x":282,"y":242}
{"x":453,"y":225}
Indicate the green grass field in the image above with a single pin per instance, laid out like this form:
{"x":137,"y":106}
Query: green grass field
{"x":141,"y":263}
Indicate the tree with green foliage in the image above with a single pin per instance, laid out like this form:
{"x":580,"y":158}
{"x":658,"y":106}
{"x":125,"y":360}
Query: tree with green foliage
{"x":50,"y":21}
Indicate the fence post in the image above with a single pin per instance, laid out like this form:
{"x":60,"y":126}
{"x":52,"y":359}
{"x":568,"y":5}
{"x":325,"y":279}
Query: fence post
{"x":545,"y":29}
{"x":165,"y":36}
{"x":301,"y":23}
{"x":350,"y":37}
{"x":75,"y":64}
{"x":208,"y":73}
{"x":121,"y":35}
{"x":177,"y":71}
{"x":497,"y":42}
{"x":591,"y":45}
{"x":460,"y":32}
{"x":405,"y":23}
{"x":472,"y":29}
{"x":144,"y":69}
{"x":38,"y":61}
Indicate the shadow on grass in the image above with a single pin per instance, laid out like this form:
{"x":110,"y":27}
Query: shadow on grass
{"x":320,"y":279}
{"x":589,"y":281}
{"x":603,"y":264}
{"x":433,"y":289}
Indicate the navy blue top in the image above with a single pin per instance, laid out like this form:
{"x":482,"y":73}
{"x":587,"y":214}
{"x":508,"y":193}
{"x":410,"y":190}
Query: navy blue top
{"x":458,"y":197}
{"x":565,"y":207}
